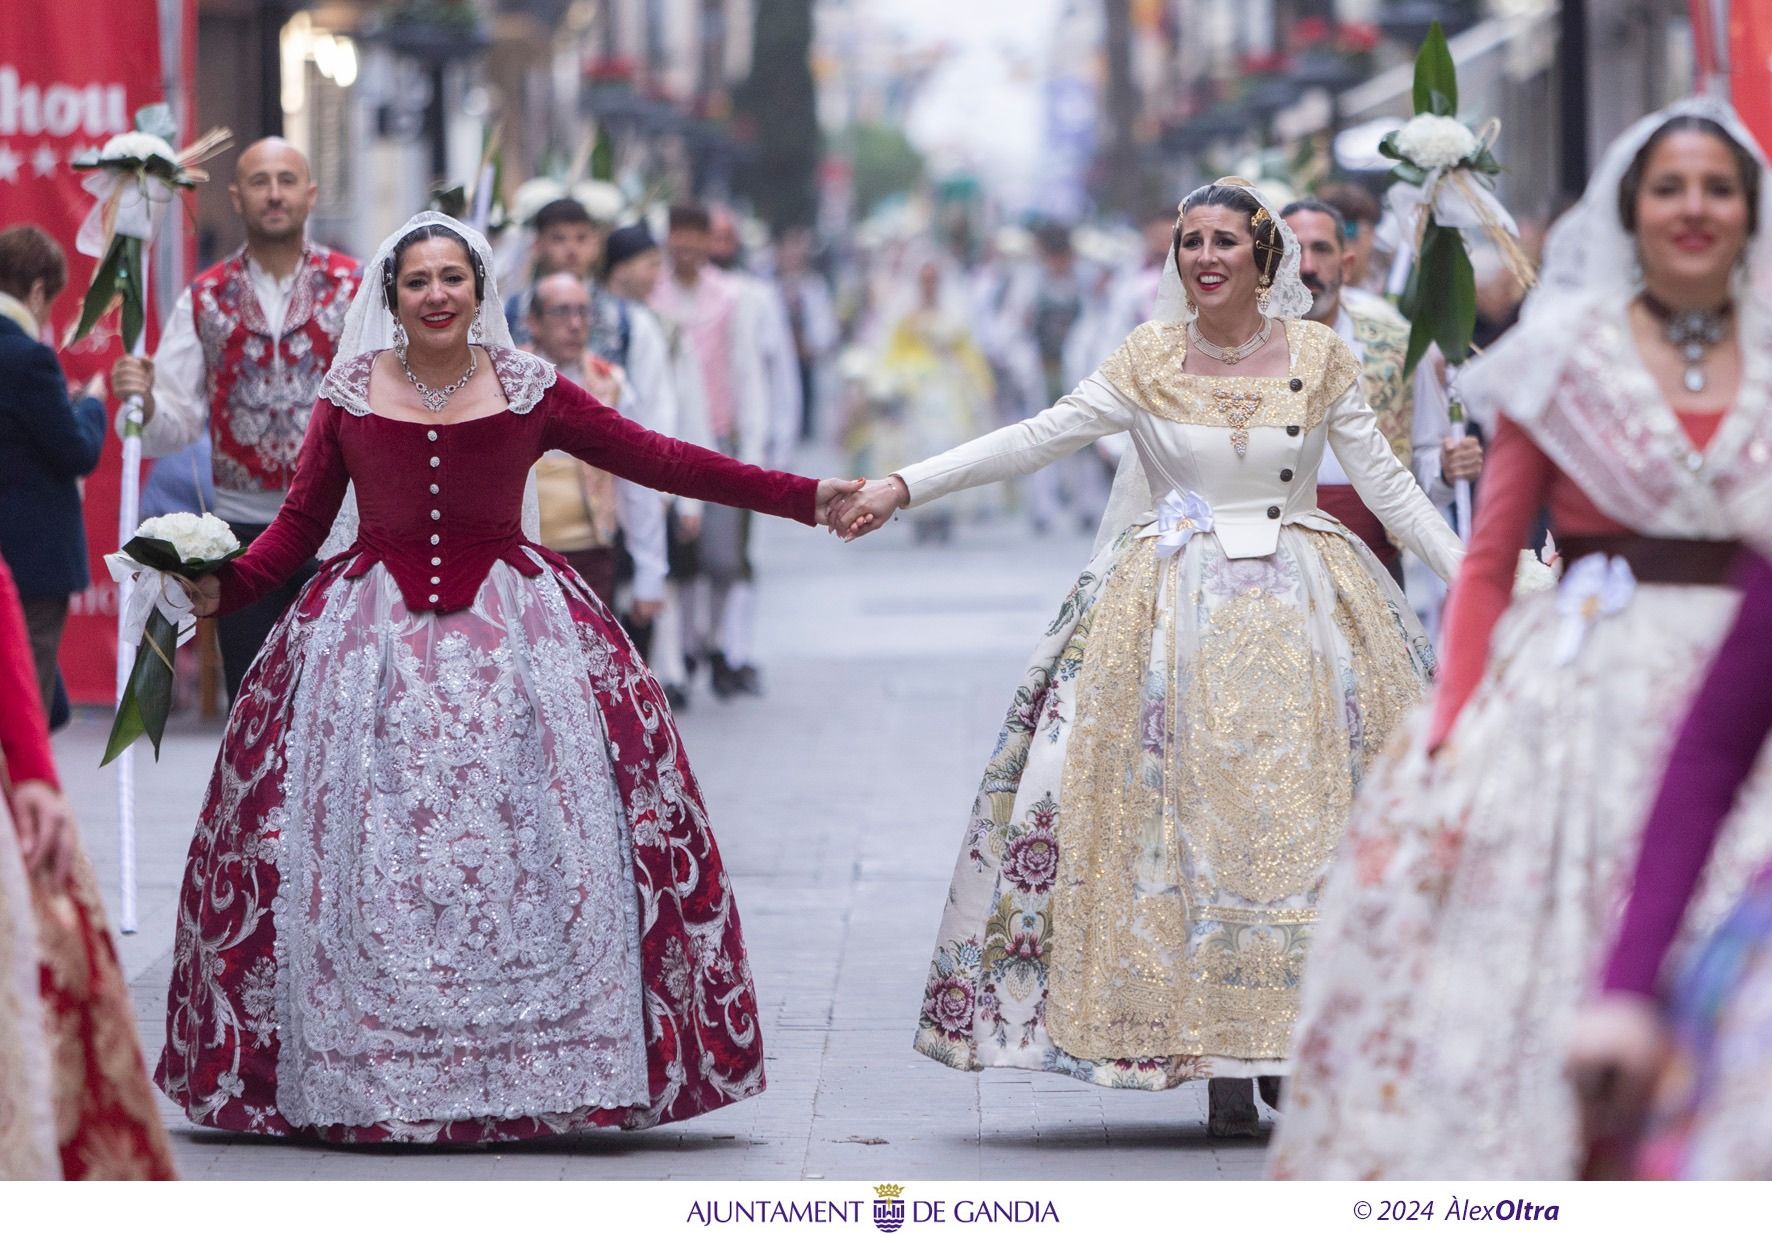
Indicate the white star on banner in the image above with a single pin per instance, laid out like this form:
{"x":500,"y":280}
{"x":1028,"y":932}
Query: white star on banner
{"x":44,"y":162}
{"x":9,"y":164}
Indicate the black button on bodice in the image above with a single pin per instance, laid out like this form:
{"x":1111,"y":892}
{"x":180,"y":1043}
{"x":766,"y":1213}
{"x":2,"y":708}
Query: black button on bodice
{"x":1285,"y":473}
{"x":1296,"y":383}
{"x":1291,"y":430}
{"x":1273,"y":512}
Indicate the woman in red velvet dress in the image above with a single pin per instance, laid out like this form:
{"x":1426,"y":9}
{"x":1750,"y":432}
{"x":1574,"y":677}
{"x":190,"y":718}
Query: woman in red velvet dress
{"x":75,"y":1102}
{"x":453,"y":879}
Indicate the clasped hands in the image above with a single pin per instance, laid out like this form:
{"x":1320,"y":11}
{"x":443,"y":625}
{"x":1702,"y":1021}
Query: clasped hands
{"x":852,"y":508}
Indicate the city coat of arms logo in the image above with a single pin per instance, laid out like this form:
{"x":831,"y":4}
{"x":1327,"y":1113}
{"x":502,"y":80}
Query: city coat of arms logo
{"x":888,"y":1207}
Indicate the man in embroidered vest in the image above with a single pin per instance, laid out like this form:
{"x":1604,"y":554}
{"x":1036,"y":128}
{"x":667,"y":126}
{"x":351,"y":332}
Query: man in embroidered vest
{"x":245,"y":348}
{"x":1413,"y":416}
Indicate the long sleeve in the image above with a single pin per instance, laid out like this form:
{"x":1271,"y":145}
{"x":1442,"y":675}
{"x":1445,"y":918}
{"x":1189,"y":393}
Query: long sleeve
{"x":302,"y":524}
{"x":649,"y":370}
{"x":68,"y":436}
{"x":24,"y":733}
{"x":181,"y":403}
{"x":1516,"y":481}
{"x":1387,"y":487}
{"x":750,"y":376}
{"x":602,"y":437}
{"x":1093,"y":410}
{"x":641,"y":514}
{"x":1714,"y":754}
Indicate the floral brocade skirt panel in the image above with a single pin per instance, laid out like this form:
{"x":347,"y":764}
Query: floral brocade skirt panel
{"x":1136,"y":891}
{"x":453,"y":881}
{"x":75,"y":1101}
{"x":1476,"y":892}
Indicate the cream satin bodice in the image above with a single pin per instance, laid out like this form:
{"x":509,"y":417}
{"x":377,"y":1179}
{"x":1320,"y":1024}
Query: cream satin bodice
{"x":1248,"y":446}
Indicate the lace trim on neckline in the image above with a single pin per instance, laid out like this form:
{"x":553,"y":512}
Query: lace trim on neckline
{"x":524,"y":378}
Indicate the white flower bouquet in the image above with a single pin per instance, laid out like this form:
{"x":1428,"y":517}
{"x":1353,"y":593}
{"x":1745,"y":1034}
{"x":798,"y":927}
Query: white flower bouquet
{"x":1445,"y":187}
{"x":158,"y":617}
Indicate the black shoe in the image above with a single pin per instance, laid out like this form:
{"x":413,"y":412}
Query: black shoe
{"x":725,"y":677}
{"x":1230,"y":1108}
{"x":748,"y":681}
{"x":1272,"y":1089}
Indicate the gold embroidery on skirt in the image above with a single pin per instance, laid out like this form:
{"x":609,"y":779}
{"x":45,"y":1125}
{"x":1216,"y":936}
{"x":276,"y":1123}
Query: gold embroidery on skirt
{"x":1181,"y":910}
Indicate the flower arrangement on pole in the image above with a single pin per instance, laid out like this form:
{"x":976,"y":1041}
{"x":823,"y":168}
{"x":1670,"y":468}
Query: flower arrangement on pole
{"x":133,"y":178}
{"x":1444,"y":193}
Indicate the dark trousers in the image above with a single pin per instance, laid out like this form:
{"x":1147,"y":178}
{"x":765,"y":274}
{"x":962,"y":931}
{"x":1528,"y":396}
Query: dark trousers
{"x":242,"y":633}
{"x":45,"y":618}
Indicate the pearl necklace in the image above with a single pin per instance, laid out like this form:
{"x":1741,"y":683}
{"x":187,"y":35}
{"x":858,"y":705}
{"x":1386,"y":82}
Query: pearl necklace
{"x":1231,"y":355}
{"x":437,"y":400}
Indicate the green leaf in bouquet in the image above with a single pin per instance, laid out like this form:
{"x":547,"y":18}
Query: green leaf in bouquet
{"x":1484,"y":162}
{"x":129,"y":283}
{"x":1436,"y":77}
{"x":147,"y":699}
{"x":1410,"y":173}
{"x":1441,"y":298}
{"x":151,"y":551}
{"x":102,"y":291}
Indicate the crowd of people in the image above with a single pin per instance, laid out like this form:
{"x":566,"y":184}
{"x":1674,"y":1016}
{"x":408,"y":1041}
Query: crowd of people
{"x":1248,"y":821}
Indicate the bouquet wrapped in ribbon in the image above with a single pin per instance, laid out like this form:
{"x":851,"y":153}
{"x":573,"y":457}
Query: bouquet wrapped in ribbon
{"x":158,"y":617}
{"x":1444,"y":193}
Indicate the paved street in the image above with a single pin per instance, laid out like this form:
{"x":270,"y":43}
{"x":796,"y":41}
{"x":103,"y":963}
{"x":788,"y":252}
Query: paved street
{"x":838,"y":800}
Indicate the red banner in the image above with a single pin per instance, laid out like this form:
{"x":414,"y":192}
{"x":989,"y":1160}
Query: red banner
{"x":1750,"y":66}
{"x":71,"y":76}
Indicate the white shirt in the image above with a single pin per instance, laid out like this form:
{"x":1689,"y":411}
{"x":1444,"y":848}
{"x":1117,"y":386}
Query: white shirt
{"x":1432,"y":424}
{"x":181,"y":390}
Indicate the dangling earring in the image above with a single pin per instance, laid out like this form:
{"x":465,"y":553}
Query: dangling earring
{"x":399,"y":339}
{"x":1636,"y":270}
{"x":477,"y":331}
{"x":1263,"y":294}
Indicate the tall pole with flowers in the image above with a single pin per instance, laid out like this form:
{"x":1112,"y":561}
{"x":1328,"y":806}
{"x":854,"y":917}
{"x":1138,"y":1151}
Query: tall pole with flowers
{"x":133,"y":179}
{"x":1443,"y":196}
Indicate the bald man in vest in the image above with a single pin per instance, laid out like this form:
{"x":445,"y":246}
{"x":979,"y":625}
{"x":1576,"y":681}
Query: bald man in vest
{"x":244,"y":352}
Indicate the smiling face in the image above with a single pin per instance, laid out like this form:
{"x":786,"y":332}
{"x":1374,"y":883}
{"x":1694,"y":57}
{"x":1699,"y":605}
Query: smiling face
{"x":1216,"y":258}
{"x":434,"y":285}
{"x":1691,"y":212}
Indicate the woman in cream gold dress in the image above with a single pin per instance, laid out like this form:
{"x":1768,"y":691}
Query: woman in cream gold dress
{"x":1136,"y":889}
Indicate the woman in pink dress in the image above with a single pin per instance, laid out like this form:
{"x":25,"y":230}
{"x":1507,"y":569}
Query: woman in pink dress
{"x":454,"y":879}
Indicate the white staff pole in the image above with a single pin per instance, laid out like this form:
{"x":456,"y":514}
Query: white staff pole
{"x":128,"y":518}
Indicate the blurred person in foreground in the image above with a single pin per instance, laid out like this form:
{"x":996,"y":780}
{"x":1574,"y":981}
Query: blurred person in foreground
{"x":1486,"y":853}
{"x":241,"y":357}
{"x":75,"y":1102}
{"x":51,"y":435}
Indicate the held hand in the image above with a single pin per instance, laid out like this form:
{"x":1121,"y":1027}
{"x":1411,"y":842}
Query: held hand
{"x":205,"y":594}
{"x":1617,"y":1050}
{"x":41,"y":814}
{"x":834,"y":497}
{"x":644,"y":611}
{"x":1461,"y":458}
{"x":688,"y":527}
{"x":871,"y":507}
{"x":133,"y":375}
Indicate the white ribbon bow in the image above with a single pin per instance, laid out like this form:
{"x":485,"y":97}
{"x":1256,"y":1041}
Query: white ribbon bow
{"x":1180,"y":516}
{"x":1460,"y":202}
{"x":129,"y":204}
{"x":1597,"y":586}
{"x":153,"y":589}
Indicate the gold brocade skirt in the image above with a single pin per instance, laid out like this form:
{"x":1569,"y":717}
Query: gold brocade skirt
{"x":1135,"y":895}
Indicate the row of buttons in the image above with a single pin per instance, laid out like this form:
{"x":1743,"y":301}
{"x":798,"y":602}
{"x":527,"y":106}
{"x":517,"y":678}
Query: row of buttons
{"x":431,"y":435}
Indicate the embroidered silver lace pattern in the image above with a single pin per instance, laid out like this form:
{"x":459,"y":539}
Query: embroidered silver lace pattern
{"x":458,"y":930}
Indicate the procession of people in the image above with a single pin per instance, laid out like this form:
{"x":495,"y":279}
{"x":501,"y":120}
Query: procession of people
{"x":1485,"y":896}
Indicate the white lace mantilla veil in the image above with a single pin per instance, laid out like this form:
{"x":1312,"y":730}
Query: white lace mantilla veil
{"x":1590,"y":267}
{"x":1130,"y":497}
{"x":369,"y":327}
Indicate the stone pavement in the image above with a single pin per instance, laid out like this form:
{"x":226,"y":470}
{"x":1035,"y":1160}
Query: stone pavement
{"x":838,"y":800}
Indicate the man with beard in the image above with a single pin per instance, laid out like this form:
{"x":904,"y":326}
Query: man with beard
{"x":1412,"y":415}
{"x":244,"y":350}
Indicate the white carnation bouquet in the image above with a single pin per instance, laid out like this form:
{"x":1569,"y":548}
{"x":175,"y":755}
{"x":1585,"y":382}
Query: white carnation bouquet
{"x":158,"y":616}
{"x":1445,"y":189}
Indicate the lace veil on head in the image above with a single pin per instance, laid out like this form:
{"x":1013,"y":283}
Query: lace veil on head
{"x":369,"y":327}
{"x":1287,"y":298}
{"x":1590,"y":267}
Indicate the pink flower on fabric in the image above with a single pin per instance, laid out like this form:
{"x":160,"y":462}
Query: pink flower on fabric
{"x":949,"y":1006}
{"x":1032,"y":861}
